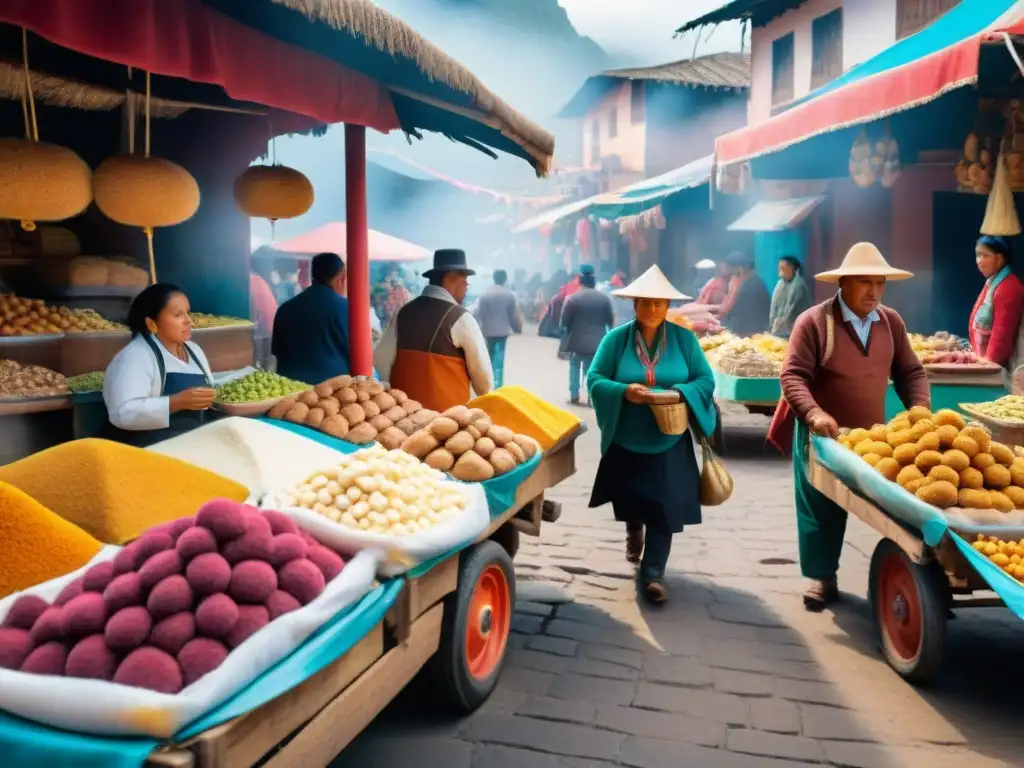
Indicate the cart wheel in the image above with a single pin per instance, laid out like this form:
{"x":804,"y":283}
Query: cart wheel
{"x":910,"y":603}
{"x":475,"y":629}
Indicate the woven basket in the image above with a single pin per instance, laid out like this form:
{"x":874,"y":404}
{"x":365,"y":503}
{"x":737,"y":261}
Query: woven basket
{"x":672,"y":419}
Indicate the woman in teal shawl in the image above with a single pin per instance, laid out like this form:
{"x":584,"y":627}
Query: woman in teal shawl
{"x":791,"y":297}
{"x":651,"y":479}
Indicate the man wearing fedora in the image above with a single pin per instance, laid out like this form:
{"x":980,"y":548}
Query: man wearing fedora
{"x":842,"y":355}
{"x":434,"y":350}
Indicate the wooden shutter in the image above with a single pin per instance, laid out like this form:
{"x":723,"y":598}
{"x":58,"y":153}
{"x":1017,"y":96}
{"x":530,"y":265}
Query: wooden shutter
{"x":782,"y":70}
{"x":914,"y":15}
{"x":826,"y":48}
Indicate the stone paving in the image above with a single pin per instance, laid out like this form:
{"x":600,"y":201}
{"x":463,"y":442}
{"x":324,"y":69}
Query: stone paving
{"x":732,"y":672}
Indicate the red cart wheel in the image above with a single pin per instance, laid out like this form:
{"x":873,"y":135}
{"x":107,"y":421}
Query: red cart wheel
{"x":475,"y":629}
{"x":909,"y":602}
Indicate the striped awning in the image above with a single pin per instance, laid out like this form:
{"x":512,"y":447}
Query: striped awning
{"x":643,"y":195}
{"x":942,"y":57}
{"x":776,"y":215}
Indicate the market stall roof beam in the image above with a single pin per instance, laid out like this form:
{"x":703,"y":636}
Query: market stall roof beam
{"x":759,"y":12}
{"x":943,"y":58}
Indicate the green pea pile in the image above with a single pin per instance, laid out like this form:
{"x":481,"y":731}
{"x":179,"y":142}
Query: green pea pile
{"x":257,"y":387}
{"x":86,"y":382}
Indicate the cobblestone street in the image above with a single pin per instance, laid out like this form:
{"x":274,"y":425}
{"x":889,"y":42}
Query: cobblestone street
{"x":732,"y":671}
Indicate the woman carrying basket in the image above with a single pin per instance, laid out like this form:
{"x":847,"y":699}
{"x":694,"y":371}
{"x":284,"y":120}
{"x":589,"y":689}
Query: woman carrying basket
{"x":651,"y":477}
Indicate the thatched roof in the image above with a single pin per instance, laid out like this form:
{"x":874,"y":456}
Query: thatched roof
{"x":718,"y":71}
{"x":438,"y":81}
{"x":758,"y":12}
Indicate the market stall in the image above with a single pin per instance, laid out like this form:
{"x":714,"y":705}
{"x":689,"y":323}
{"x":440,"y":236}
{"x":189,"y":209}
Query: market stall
{"x":443,"y":600}
{"x":950,"y":508}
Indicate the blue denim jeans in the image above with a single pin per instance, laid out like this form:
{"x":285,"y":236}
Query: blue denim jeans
{"x":496,"y":350}
{"x":578,"y":367}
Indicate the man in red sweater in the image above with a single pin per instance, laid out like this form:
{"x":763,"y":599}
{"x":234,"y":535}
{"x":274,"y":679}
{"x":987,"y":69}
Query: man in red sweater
{"x":842,"y":354}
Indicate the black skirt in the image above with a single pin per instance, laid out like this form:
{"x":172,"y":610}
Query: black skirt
{"x":658,"y":490}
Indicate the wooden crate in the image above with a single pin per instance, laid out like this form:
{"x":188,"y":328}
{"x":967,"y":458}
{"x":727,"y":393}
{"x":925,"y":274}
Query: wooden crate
{"x":90,"y":352}
{"x":229,"y":348}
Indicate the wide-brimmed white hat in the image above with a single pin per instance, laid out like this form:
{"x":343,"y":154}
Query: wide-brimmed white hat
{"x":863,"y":260}
{"x":652,"y":284}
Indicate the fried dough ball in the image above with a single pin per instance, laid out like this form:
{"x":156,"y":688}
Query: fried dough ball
{"x":871,"y":459}
{"x":878,"y":432}
{"x":870,"y":446}
{"x":905,"y":454}
{"x":947,"y":434}
{"x":888,"y":468}
{"x":901,"y":437}
{"x":844,"y":440}
{"x":908,"y":474}
{"x":918,"y":413}
{"x":971,"y":478}
{"x":1016,"y":495}
{"x":956,"y":460}
{"x":947,"y":417}
{"x":968,"y":445}
{"x":858,"y":435}
{"x":921,"y":428}
{"x":928,"y":442}
{"x":979,"y":435}
{"x":915,"y":485}
{"x":999,"y":500}
{"x":939,"y":494}
{"x":972,"y":498}
{"x":997,"y":476}
{"x":983,"y":461}
{"x":942,"y":473}
{"x":928,"y":459}
{"x":898,"y":425}
{"x":1017,"y":473}
{"x":1002,"y":453}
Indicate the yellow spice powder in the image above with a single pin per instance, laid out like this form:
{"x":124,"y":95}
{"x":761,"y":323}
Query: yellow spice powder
{"x":115,"y":492}
{"x":35,"y":544}
{"x":525,"y":413}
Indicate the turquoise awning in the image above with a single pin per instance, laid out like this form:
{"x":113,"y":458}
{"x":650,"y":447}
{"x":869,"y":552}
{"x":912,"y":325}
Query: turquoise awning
{"x":644,"y":195}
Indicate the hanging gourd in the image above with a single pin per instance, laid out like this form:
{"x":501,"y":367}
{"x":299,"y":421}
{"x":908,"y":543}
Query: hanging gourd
{"x":1001,"y":210}
{"x":860,"y":161}
{"x":40,"y":181}
{"x":889,"y":149}
{"x":273,"y":192}
{"x":1013,"y":157}
{"x":144,"y":191}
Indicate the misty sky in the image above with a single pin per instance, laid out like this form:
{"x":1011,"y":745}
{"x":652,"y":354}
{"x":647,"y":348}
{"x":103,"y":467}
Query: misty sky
{"x":642,"y":29}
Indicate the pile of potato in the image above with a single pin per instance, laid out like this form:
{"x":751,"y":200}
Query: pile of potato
{"x":357,"y":409}
{"x":943,"y":460}
{"x":19,"y":380}
{"x":31,"y":317}
{"x":465,"y":442}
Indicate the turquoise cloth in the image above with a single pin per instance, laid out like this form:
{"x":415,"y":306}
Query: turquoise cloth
{"x":747,"y":390}
{"x":908,"y":509}
{"x":29,"y":745}
{"x":682,"y":367}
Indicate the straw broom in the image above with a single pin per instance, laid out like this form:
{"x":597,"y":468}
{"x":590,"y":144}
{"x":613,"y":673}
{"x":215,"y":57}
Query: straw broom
{"x":1001,"y":210}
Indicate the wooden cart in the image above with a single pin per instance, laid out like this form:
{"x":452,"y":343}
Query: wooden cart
{"x":452,"y":623}
{"x":912,"y":587}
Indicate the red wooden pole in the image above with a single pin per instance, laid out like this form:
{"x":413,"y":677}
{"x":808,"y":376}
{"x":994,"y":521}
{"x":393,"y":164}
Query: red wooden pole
{"x":358,"y":252}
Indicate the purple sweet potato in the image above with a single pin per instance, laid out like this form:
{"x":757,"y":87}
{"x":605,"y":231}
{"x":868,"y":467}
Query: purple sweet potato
{"x":150,"y":543}
{"x":25,"y":611}
{"x":127,"y":629}
{"x":194,"y":542}
{"x":178,"y":527}
{"x":252,"y":581}
{"x":302,"y":580}
{"x":172,"y":595}
{"x":157,"y":568}
{"x":200,"y":657}
{"x":251,"y":619}
{"x":257,"y":522}
{"x":123,"y":591}
{"x":286,"y":547}
{"x":49,"y":626}
{"x":151,"y":668}
{"x":224,"y":518}
{"x":279,"y":602}
{"x":208,"y":574}
{"x":216,"y":616}
{"x":328,"y":561}
{"x":98,"y":577}
{"x":85,"y":615}
{"x":15,"y":646}
{"x":254,"y":544}
{"x":125,"y":561}
{"x":172,"y":633}
{"x":46,"y":659}
{"x":70,"y":592}
{"x":279,"y":522}
{"x":92,"y":658}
